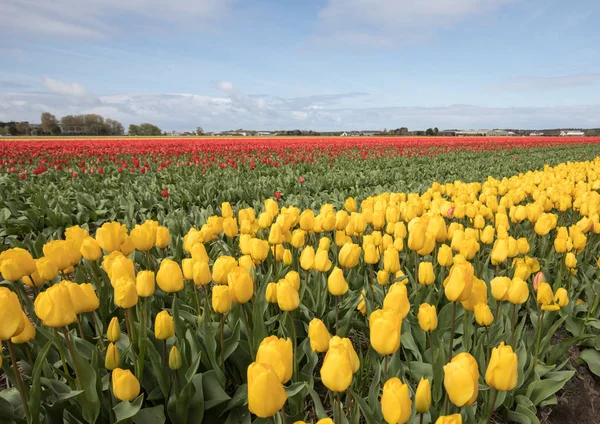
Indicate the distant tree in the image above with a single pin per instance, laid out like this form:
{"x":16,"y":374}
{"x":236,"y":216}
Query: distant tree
{"x":133,"y":130}
{"x":50,"y":124}
{"x":436,"y":131}
{"x":4,"y":130}
{"x":403,"y":131}
{"x":22,"y":128}
{"x":114,"y":127}
{"x":429,"y":132}
{"x":199,"y":131}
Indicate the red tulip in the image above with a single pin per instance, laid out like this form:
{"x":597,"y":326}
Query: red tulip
{"x":277,"y":195}
{"x":165,"y":193}
{"x":301,"y":179}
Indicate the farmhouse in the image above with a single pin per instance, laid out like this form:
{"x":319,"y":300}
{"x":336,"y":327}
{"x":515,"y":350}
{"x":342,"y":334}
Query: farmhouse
{"x":572,"y":133}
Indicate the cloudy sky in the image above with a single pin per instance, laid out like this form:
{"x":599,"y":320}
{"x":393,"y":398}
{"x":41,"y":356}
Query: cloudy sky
{"x":318,"y":64}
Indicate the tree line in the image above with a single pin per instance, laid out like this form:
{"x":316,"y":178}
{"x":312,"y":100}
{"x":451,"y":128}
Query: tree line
{"x":76,"y":125}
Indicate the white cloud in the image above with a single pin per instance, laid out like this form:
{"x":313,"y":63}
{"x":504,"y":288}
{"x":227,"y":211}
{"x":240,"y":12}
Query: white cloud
{"x":235,"y":109}
{"x":66,"y":88}
{"x":225,"y":85}
{"x":383,"y":23}
{"x":97,"y":18}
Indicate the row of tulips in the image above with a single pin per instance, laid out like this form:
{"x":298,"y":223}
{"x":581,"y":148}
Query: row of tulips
{"x":438,"y":307}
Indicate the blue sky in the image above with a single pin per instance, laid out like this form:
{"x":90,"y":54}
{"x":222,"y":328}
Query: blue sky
{"x":318,"y":64}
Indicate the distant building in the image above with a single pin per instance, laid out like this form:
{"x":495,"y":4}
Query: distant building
{"x":536,"y":134}
{"x":572,"y":133}
{"x":344,"y":134}
{"x":264,"y":133}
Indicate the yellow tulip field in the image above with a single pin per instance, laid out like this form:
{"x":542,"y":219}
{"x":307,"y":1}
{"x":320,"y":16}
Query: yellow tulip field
{"x":456,"y":302}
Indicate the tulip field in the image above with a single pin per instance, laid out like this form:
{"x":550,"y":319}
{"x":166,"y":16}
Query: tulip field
{"x":297,"y":280}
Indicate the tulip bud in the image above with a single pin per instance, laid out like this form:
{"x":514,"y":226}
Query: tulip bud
{"x":266,"y":395}
{"x":544,"y":294}
{"x":279,"y":354}
{"x":307,"y":258}
{"x":201,"y":274}
{"x":518,"y":291}
{"x":427,"y":317}
{"x":111,"y":235}
{"x":423,"y":396}
{"x":125,"y":293}
{"x":113,"y":334}
{"x":322,"y":261}
{"x":336,"y":371}
{"x":221,"y":298}
{"x":112,"y":357}
{"x":383,"y":277}
{"x":143,"y":236}
{"x":395,"y":401}
{"x":260,"y":250}
{"x":459,"y":283}
{"x":336,"y":283}
{"x":445,"y":255}
{"x":570,"y":260}
{"x":125,"y":386}
{"x":174,"y":359}
{"x":162,"y":237}
{"x":287,"y":257}
{"x":391,"y":260}
{"x":319,"y":336}
{"x":164,"y":326}
{"x":226,"y":210}
{"x":503,"y":370}
{"x":561,"y":298}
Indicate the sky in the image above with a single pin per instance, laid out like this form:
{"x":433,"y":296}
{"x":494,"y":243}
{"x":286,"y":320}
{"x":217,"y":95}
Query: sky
{"x":310,"y":64}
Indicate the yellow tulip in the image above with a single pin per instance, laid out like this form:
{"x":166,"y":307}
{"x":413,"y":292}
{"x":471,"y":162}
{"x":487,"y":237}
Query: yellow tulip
{"x":318,"y":335}
{"x":570,"y":260}
{"x":187,"y":268}
{"x":427,"y":316}
{"x":298,"y":239}
{"x":461,"y":376}
{"x":503,"y":370}
{"x":449,"y":419}
{"x":26,"y":334}
{"x":143,"y":236}
{"x":271,"y":293}
{"x":395,"y":402}
{"x":162,"y":237}
{"x":349,"y":255}
{"x":266,"y":395}
{"x":11,"y":315}
{"x":221,"y":298}
{"x":125,"y":293}
{"x":226,"y":210}
{"x":54,"y":307}
{"x":294,"y":279}
{"x":483,"y":314}
{"x":144,"y":283}
{"x":111,"y":235}
{"x":347,"y":344}
{"x":545,"y":223}
{"x":371,"y":254}
{"x":499,"y":251}
{"x":169,"y":277}
{"x":518,"y":291}
{"x":544,"y":294}
{"x":445,"y":255}
{"x":523,"y":246}
{"x":423,"y":396}
{"x":500,"y":286}
{"x":391,"y":260}
{"x":459,"y":283}
{"x":277,"y":353}
{"x":230,"y":227}
{"x":383,"y":277}
{"x":350,"y":205}
{"x":478,"y":294}
{"x":113,"y":334}
{"x":221,"y":269}
{"x":125,"y":386}
{"x":241,"y":285}
{"x":287,"y":297}
{"x":336,"y":283}
{"x":307,"y":258}
{"x":112,"y":357}
{"x":322,"y":261}
{"x":385,"y":327}
{"x":127,"y":246}
{"x":90,"y":249}
{"x":260,"y":250}
{"x":561,"y":298}
{"x":397,"y":299}
{"x":336,"y":371}
{"x":174,"y":359}
{"x":426,"y":274}
{"x":164,"y":326}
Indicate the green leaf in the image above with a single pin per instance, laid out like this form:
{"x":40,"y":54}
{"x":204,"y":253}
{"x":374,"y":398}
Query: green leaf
{"x":89,"y":399}
{"x":154,"y":415}
{"x":294,"y":388}
{"x":126,"y":410}
{"x":196,"y":411}
{"x":214,"y":394}
{"x":592,"y":359}
{"x":540,"y":390}
{"x":35,"y":393}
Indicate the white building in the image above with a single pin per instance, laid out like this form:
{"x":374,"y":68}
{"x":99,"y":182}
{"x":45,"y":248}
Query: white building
{"x":572,"y":133}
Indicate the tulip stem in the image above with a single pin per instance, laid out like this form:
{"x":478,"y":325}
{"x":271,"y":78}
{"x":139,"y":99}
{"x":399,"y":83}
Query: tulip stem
{"x":97,"y":325}
{"x":514,"y":333}
{"x":73,"y":356}
{"x":339,"y":405}
{"x":385,"y":367}
{"x":18,"y":380}
{"x":61,"y":352}
{"x":294,"y":343}
{"x":164,"y":354}
{"x":492,"y":406}
{"x":539,"y":336}
{"x":450,"y":345}
{"x":487,"y":336}
{"x":337,"y":305}
{"x":80,"y":327}
{"x":371,"y":272}
{"x":110,"y":400}
{"x":249,"y":332}
{"x":421,"y":419}
{"x":432,"y":347}
{"x":130,"y":335}
{"x":222,"y":345}
{"x":207,"y":306}
{"x":416,"y":275}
